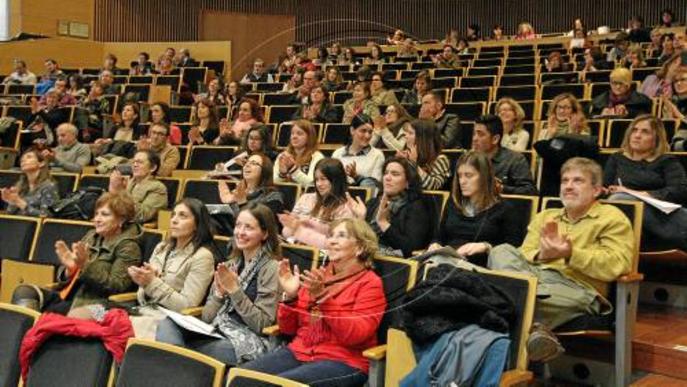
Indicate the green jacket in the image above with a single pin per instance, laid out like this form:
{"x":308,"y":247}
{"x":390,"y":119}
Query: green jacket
{"x":105,"y":273}
{"x":150,"y":196}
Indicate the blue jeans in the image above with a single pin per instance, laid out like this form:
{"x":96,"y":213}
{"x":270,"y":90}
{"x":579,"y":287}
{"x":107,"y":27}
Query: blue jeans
{"x":169,"y":332}
{"x":283,"y":363}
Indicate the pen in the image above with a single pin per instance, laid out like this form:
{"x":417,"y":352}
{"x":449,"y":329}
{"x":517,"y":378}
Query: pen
{"x":620,"y":182}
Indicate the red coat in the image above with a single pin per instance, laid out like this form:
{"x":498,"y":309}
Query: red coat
{"x":115,"y":330}
{"x":347,"y":326}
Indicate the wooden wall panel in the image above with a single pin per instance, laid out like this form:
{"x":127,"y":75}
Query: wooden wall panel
{"x":354,"y":21}
{"x":41,"y":16}
{"x":252,"y":35}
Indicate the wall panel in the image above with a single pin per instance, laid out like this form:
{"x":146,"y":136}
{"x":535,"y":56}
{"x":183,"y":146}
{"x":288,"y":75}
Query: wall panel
{"x":354,"y":21}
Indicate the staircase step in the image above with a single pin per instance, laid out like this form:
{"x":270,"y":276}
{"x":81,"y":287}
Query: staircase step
{"x":654,"y":380}
{"x":660,"y":341}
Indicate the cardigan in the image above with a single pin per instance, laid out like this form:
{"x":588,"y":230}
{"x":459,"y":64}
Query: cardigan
{"x":313,"y":231}
{"x":344,"y":338}
{"x":663,"y":178}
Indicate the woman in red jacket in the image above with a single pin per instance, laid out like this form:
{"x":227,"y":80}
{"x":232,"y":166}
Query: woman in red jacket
{"x":334,"y":316}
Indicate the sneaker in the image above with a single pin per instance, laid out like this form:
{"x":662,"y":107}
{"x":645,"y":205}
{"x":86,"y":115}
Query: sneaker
{"x":542,"y":345}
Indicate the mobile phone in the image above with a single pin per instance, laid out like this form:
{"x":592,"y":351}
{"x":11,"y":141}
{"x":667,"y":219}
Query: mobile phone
{"x":683,"y":57}
{"x":125,"y":169}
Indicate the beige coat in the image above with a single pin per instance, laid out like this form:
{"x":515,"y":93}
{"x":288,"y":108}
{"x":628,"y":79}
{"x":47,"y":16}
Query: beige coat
{"x":150,"y":196}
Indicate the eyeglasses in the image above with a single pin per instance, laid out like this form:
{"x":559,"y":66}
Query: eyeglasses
{"x":253,"y":163}
{"x":618,"y":83}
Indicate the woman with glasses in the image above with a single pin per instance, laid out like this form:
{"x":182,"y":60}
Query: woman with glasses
{"x":390,"y":128}
{"x":380,"y":95}
{"x":565,"y":116}
{"x":675,"y":108}
{"x":621,"y":101}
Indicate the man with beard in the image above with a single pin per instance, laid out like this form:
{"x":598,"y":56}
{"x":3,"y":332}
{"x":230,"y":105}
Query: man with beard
{"x":575,"y":252}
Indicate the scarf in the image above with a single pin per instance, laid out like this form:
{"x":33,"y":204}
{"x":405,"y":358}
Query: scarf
{"x":334,"y":284}
{"x":248,"y":345}
{"x":614,"y":100}
{"x":395,"y":206}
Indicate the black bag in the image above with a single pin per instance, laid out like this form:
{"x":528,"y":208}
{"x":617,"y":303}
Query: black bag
{"x":79,"y":205}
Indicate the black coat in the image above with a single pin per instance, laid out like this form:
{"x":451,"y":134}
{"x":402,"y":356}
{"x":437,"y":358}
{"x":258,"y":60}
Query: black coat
{"x":449,"y":299}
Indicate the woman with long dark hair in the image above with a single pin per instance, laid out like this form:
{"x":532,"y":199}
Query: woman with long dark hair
{"x":180,"y":268}
{"x":309,"y":221}
{"x":398,"y":214}
{"x":35,"y":191}
{"x":476,"y":217}
{"x":243,"y":297}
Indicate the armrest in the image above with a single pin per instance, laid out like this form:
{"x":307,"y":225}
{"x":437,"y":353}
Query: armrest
{"x":123,"y":297}
{"x":631,"y":277}
{"x":514,"y":377}
{"x":375,"y":353}
{"x":272,"y":330}
{"x":194,"y":311}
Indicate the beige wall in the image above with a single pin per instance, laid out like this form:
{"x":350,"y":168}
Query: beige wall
{"x":69,"y":53}
{"x":41,"y":16}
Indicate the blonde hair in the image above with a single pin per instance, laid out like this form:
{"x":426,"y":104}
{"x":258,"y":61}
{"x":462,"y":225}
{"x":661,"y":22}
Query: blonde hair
{"x":661,"y":145}
{"x":621,"y":74}
{"x":365,"y":237}
{"x":519,"y":111}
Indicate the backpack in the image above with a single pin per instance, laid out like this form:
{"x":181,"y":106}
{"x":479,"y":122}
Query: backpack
{"x":79,"y":205}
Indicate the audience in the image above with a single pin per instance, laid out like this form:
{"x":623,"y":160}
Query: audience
{"x":157,"y":142}
{"x":660,"y":84}
{"x":422,"y":86}
{"x":249,"y":114}
{"x":447,"y":124}
{"x":380,"y":95}
{"x":398,"y":215}
{"x":376,"y":56}
{"x":423,"y":148}
{"x":525,"y":32}
{"x":70,"y":155}
{"x":363,"y":163}
{"x":360,"y":103}
{"x":476,"y":218}
{"x":148,"y":193}
{"x":258,"y":74}
{"x":255,"y":187}
{"x":21,"y":75}
{"x":333,"y":315}
{"x":447,"y":59}
{"x":179,"y":270}
{"x":95,"y":267}
{"x":575,"y":252}
{"x":119,"y":141}
{"x":643,"y":169}
{"x":36,"y":191}
{"x":333,"y":81}
{"x":159,"y":114}
{"x":675,"y":107}
{"x":620,"y":101}
{"x":319,"y":108}
{"x":515,"y":137}
{"x":213,"y":93}
{"x":143,"y":66}
{"x":512,"y":171}
{"x":565,"y":116}
{"x":244,"y":294}
{"x":312,"y":214}
{"x":297,"y":162}
{"x":390,"y":128}
{"x":205,"y":123}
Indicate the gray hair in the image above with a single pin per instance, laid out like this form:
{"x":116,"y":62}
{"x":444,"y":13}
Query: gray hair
{"x":71,"y":127}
